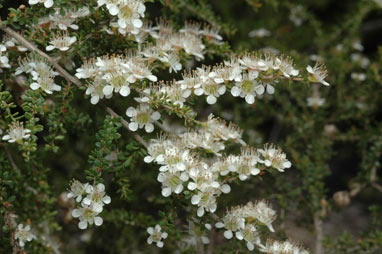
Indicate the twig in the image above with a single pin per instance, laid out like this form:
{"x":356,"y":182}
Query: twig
{"x":70,"y":78}
{"x":319,"y":233}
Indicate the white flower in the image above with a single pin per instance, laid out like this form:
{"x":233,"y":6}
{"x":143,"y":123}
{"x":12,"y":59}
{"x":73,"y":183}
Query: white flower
{"x":61,"y":42}
{"x":248,"y":87}
{"x":87,"y":215}
{"x":264,"y":213}
{"x":358,"y":76}
{"x":46,"y":84}
{"x":250,"y":235}
{"x":77,"y":190}
{"x":208,"y":86}
{"x":274,"y":157}
{"x":142,"y":116}
{"x":23,"y":234}
{"x":319,"y":73}
{"x":96,"y":197}
{"x":286,"y":67}
{"x":172,"y":182}
{"x":261,"y":32}
{"x":47,"y":3}
{"x":278,"y":247}
{"x":17,"y":133}
{"x":156,"y":236}
{"x":4,"y":61}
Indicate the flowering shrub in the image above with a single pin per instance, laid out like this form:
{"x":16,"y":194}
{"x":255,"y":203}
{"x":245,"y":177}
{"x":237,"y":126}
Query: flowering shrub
{"x":170,"y":131}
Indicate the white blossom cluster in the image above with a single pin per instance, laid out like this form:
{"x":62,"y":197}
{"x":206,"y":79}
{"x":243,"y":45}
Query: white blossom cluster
{"x":182,"y":166}
{"x":42,"y":73}
{"x":318,"y":73}
{"x":61,"y":41}
{"x":114,"y":73}
{"x":168,"y":41}
{"x":4,"y":61}
{"x":128,"y":12}
{"x":243,"y":221}
{"x":64,"y":18}
{"x":47,"y":3}
{"x":24,"y":234}
{"x":91,"y":199}
{"x":156,"y":235}
{"x":12,"y":43}
{"x":252,"y":76}
{"x":17,"y":133}
{"x":279,"y":247}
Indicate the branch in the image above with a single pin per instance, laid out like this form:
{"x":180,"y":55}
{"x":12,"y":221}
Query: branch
{"x":70,"y":78}
{"x":319,"y":233}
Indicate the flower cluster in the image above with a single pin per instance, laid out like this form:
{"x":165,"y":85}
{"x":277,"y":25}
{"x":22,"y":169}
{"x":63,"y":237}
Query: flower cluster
{"x":318,"y":73}
{"x":91,"y":199}
{"x":61,"y":41}
{"x":243,"y":221}
{"x":278,"y":247}
{"x":128,"y":12}
{"x":182,"y":166}
{"x":47,"y":3}
{"x":252,"y":76}
{"x":64,"y":18}
{"x":42,"y":73}
{"x":24,"y":234}
{"x":142,"y":116}
{"x":113,"y":74}
{"x":156,"y":235}
{"x":17,"y":133}
{"x":12,"y":43}
{"x":4,"y":61}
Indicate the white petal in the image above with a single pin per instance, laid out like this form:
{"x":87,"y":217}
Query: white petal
{"x":200,"y":211}
{"x":192,"y":186}
{"x":166,"y":192}
{"x":76,"y":213}
{"x":98,"y":221}
{"x":160,"y":244}
{"x":195,"y":199}
{"x":211,"y":99}
{"x":34,"y":86}
{"x":250,"y":99}
{"x":250,"y":246}
{"x":152,"y":78}
{"x":228,"y":234}
{"x":270,"y":89}
{"x":48,"y":3}
{"x":124,"y":91}
{"x":107,"y":90}
{"x":148,"y":159}
{"x":149,"y":127}
{"x":113,"y":9}
{"x":6,"y":137}
{"x":225,"y":188}
{"x":155,"y":116}
{"x":235,"y":91}
{"x":130,"y":112}
{"x":49,"y":48}
{"x":150,"y":230}
{"x":220,"y":225}
{"x":239,"y":235}
{"x":255,"y":171}
{"x":133,"y":126}
{"x":137,"y":23}
{"x":94,"y":99}
{"x":106,"y":200}
{"x":82,"y":224}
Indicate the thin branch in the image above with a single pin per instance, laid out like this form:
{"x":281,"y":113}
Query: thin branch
{"x":70,"y":78}
{"x":319,"y":233}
